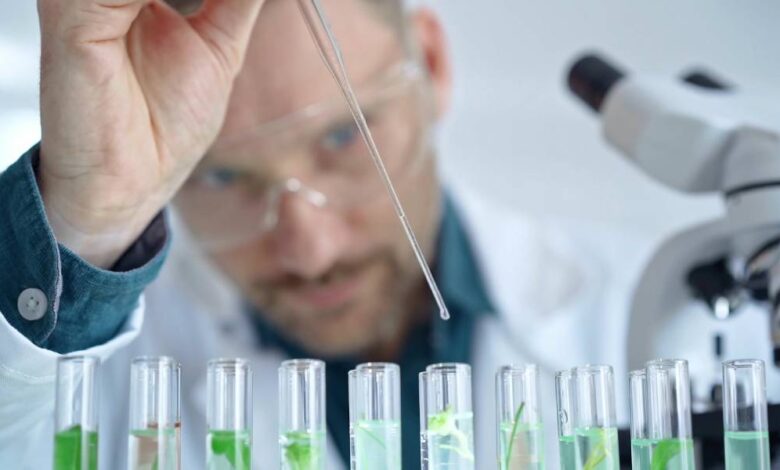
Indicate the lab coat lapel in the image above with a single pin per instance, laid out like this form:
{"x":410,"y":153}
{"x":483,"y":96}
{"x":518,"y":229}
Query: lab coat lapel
{"x":544,"y":288}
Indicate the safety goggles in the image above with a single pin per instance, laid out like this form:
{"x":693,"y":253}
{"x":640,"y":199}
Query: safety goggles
{"x":316,"y":154}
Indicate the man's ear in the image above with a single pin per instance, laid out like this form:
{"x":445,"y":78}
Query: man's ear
{"x":434,"y":52}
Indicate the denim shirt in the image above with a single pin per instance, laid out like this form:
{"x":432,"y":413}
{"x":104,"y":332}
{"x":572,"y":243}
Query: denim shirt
{"x":462,"y":287}
{"x":80,"y":305}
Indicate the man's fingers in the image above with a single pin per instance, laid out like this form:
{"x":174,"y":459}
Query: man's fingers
{"x":226,"y":26}
{"x":85,"y":21}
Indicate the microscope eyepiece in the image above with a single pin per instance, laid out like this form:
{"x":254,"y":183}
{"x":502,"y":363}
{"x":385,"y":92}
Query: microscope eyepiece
{"x":591,"y":78}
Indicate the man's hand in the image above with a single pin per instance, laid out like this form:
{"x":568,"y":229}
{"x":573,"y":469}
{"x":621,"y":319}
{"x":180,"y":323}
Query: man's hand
{"x":132,"y":95}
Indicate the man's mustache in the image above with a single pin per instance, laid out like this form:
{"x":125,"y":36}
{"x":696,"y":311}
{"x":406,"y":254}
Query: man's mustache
{"x":338,"y":272}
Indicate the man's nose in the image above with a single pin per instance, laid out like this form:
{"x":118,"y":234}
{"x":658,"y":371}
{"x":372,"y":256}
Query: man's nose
{"x":307,"y":238}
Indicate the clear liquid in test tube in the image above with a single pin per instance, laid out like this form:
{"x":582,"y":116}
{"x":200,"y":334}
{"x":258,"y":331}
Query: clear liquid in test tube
{"x":375,"y":417}
{"x":641,"y":446}
{"x":446,"y":418}
{"x":155,"y":419}
{"x":566,"y":407}
{"x":302,"y":424}
{"x":668,"y":414}
{"x":229,"y":415}
{"x":520,"y":432}
{"x":595,"y":430}
{"x":76,"y":414}
{"x":745,"y":415}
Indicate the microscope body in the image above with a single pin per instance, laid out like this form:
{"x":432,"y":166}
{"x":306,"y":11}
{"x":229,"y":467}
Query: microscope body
{"x":700,"y":140}
{"x":710,"y":292}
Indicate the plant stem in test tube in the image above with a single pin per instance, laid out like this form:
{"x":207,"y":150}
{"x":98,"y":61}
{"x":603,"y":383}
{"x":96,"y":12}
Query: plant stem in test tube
{"x":520,"y":433}
{"x":595,"y":434}
{"x":155,"y":429}
{"x":229,"y":415}
{"x":302,"y":425}
{"x":668,"y":444}
{"x":521,"y":444}
{"x":448,"y":431}
{"x":155,"y":448}
{"x":229,"y":450}
{"x":597,"y":448}
{"x":375,"y":417}
{"x":377,"y":445}
{"x":662,"y":454}
{"x":303,"y":450}
{"x":76,"y":438}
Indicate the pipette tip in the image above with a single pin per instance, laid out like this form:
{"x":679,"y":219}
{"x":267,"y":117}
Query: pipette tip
{"x":444,"y":313}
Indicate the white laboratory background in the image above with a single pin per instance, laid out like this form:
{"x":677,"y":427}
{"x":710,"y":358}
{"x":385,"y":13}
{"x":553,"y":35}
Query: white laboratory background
{"x":515,"y":133}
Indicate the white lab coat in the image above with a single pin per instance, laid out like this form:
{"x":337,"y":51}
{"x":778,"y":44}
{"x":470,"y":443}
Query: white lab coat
{"x":562,"y":292}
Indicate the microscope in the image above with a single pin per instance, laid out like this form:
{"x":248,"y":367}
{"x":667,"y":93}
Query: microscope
{"x":712,"y":290}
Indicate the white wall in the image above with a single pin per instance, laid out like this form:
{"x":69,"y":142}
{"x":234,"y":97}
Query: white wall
{"x":514,"y":131}
{"x":517,"y":133}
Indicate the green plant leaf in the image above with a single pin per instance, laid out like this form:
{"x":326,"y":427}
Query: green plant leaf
{"x":599,"y":453}
{"x":664,"y":452}
{"x":444,"y":424}
{"x":299,"y":450}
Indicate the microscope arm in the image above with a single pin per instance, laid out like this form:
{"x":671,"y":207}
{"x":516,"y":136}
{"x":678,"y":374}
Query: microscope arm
{"x":691,"y":138}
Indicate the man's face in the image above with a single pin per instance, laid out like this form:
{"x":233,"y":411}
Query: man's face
{"x":337,"y":278}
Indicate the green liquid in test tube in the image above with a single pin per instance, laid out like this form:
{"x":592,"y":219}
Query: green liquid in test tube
{"x":745,"y":415}
{"x":76,"y":438}
{"x":302,"y":425}
{"x":155,"y":420}
{"x":520,"y":432}
{"x":229,"y":415}
{"x":446,"y":418}
{"x":667,"y":414}
{"x":565,"y":403}
{"x":375,"y":417}
{"x":595,"y":431}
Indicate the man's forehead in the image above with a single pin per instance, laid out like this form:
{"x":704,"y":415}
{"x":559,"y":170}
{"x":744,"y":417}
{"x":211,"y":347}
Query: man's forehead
{"x":283,"y":71}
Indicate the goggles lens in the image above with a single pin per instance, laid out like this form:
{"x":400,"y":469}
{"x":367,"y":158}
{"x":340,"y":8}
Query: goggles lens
{"x":317,"y":153}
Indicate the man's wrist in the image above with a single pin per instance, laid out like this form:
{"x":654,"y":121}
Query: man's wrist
{"x":99,"y":248}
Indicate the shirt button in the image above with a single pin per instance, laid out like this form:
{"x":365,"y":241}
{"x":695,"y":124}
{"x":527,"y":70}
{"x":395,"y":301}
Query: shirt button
{"x":32,"y":304}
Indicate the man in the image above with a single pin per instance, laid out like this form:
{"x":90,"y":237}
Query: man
{"x":287,"y":246}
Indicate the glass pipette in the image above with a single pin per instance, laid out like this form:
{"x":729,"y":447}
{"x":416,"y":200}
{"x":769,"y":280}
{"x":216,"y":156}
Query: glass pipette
{"x":329,"y":50}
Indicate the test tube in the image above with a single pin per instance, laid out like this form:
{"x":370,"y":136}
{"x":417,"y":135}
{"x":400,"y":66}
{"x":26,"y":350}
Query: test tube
{"x":302,"y":425}
{"x":375,"y":417}
{"x":229,"y":415}
{"x":155,"y":420}
{"x":668,"y":413}
{"x":595,"y":431}
{"x":745,"y":415}
{"x":641,"y":447}
{"x":566,"y":405}
{"x":520,"y":433}
{"x":446,"y":417}
{"x":76,"y":414}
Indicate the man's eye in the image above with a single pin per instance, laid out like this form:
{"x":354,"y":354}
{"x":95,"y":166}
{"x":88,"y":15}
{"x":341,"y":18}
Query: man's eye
{"x":340,"y":137}
{"x":219,"y":178}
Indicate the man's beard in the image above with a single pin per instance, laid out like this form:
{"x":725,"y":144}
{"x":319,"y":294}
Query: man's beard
{"x":397,"y":289}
